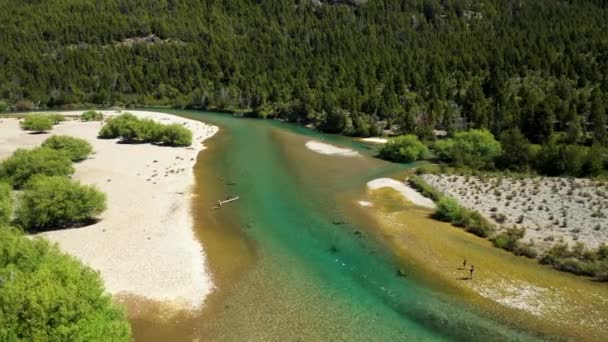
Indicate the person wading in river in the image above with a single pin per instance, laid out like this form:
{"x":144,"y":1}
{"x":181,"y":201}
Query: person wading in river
{"x":464,"y":264}
{"x":471,"y":271}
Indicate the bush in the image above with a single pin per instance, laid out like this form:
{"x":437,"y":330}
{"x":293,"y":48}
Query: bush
{"x":448,"y":210}
{"x":509,"y":239}
{"x":3,"y":106}
{"x":48,"y":296}
{"x":37,"y":123}
{"x":134,"y":130}
{"x":419,"y":184}
{"x":57,"y":202}
{"x":23,"y":164}
{"x":474,"y":223}
{"x":6,"y":209}
{"x":118,"y":126}
{"x":176,"y":135}
{"x":75,"y":148}
{"x":476,"y":148}
{"x":404,"y":149}
{"x":56,"y":118}
{"x":91,"y":115}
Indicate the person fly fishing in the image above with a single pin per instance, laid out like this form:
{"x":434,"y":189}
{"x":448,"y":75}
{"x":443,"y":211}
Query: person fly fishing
{"x":464,"y":264}
{"x":471,"y":271}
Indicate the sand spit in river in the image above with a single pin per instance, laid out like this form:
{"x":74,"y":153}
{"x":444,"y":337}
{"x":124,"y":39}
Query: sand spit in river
{"x":144,"y":244}
{"x":328,"y":149}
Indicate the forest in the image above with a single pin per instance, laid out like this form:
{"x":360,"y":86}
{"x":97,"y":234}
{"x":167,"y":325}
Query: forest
{"x":350,"y":67}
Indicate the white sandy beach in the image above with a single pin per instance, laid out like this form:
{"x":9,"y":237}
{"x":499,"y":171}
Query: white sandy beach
{"x":328,"y":149}
{"x":375,"y":140}
{"x":406,"y":191}
{"x":144,"y":244}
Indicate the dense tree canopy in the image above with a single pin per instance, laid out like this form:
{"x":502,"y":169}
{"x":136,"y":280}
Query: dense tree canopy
{"x":48,"y":296}
{"x":537,"y":65}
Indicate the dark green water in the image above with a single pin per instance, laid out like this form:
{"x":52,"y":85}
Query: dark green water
{"x":317,"y":271}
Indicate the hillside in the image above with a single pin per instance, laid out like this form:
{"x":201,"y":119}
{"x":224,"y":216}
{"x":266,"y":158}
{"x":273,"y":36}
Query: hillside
{"x":353,"y":67}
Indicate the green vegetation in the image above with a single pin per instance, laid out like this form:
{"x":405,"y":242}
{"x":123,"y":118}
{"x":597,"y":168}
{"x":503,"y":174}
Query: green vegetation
{"x":6,"y":210}
{"x":3,"y":106}
{"x":37,"y":123}
{"x":56,"y":118}
{"x":131,"y":129}
{"x":75,"y":148}
{"x":91,"y":115}
{"x":57,"y":202}
{"x":404,"y":149}
{"x":448,"y":210}
{"x":48,"y":296}
{"x":24,"y":164}
{"x":510,"y":241}
{"x":578,"y":260}
{"x":474,"y":148}
{"x":408,"y":66}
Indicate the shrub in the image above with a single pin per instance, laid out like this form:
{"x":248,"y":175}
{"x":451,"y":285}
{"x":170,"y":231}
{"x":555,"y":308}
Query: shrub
{"x":509,"y":239}
{"x":37,"y":123}
{"x":448,"y":210}
{"x":5,"y":204}
{"x":419,"y":184}
{"x":474,"y":223}
{"x":75,"y":148}
{"x":91,"y":115}
{"x":475,"y":148}
{"x":3,"y":106}
{"x":176,"y":135}
{"x":404,"y":149}
{"x":49,"y":296}
{"x":134,"y":130}
{"x":23,"y":164}
{"x":56,"y":118}
{"x":57,"y":202}
{"x":117,"y":126}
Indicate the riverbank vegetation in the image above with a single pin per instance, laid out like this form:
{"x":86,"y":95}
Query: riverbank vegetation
{"x":75,"y":148}
{"x":351,"y":67}
{"x":91,"y":115}
{"x":480,"y":150}
{"x":577,"y":259}
{"x":132,"y":129}
{"x":46,"y":295}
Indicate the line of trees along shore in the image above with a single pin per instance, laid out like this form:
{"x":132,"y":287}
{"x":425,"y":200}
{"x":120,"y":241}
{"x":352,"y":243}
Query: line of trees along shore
{"x":540,"y":66}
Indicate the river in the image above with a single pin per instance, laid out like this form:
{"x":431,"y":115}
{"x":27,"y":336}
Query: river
{"x":296,"y":259}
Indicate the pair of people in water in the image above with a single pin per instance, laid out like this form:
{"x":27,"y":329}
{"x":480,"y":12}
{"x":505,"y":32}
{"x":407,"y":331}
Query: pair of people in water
{"x":471,"y":270}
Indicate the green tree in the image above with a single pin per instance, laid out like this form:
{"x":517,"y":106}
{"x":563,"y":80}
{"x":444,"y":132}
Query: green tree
{"x":404,"y":149}
{"x":476,"y":148}
{"x":57,"y":202}
{"x":518,"y":154}
{"x":6,"y":207}
{"x":37,"y":123}
{"x":75,"y":148}
{"x":23,"y":164}
{"x":49,"y":296}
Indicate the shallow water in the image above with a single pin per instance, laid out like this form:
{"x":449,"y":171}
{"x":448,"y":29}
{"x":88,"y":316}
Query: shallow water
{"x":293,"y":259}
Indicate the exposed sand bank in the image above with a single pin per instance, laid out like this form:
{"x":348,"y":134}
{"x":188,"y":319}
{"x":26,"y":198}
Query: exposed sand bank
{"x":328,"y":149}
{"x":375,"y":140}
{"x":144,"y":244}
{"x":406,"y":191}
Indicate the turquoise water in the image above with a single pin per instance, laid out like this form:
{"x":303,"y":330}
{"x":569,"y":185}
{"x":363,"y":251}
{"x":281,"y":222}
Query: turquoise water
{"x":318,"y":271}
